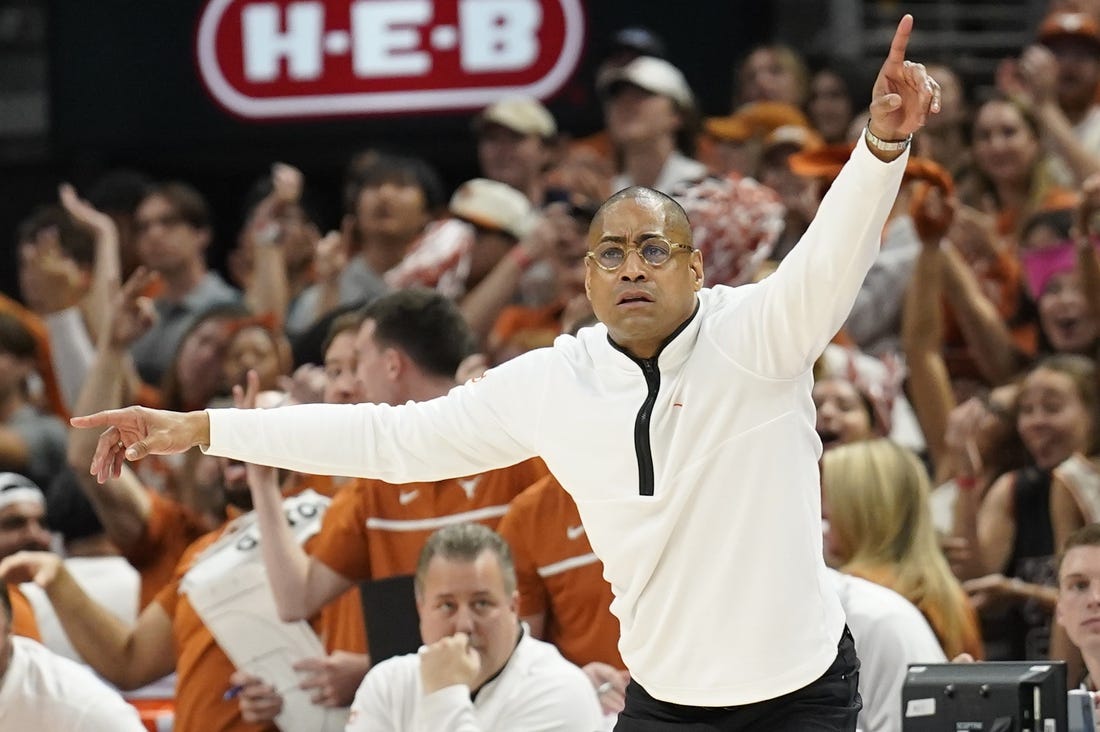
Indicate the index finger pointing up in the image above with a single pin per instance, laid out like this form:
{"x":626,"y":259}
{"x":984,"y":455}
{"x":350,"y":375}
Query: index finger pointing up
{"x":901,"y":40}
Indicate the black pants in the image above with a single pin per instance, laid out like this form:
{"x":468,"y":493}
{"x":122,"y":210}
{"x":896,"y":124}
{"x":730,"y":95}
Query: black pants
{"x":829,"y":704}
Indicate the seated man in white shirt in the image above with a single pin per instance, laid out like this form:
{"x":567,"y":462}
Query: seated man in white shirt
{"x":479,"y":669}
{"x":41,"y":690}
{"x":890,"y":634}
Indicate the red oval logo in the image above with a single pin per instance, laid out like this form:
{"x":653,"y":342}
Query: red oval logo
{"x":304,"y":58}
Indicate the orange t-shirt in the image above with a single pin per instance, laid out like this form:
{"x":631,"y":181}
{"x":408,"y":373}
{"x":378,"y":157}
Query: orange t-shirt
{"x":376,"y":530}
{"x":43,"y":360}
{"x":520,"y":328}
{"x":203,"y":669}
{"x":23,"y":622}
{"x":342,"y":622}
{"x":169,"y":530}
{"x":558,"y":574}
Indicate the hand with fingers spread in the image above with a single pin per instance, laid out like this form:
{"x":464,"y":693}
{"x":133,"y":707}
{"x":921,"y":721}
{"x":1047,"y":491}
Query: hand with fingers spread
{"x":330,"y":257}
{"x":260,"y":477}
{"x":259,"y":701}
{"x":333,"y":680}
{"x":903,"y":95}
{"x":49,"y":279}
{"x":134,"y":432}
{"x":132,"y":314}
{"x":86,"y":215}
{"x":306,"y":385}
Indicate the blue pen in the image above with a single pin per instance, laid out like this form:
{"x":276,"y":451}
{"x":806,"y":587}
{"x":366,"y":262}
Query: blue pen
{"x":232,"y":692}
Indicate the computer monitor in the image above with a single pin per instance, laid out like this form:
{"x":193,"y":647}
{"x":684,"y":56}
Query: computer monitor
{"x":991,"y":696}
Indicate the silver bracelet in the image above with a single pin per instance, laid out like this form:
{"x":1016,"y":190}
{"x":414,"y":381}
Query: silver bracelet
{"x":885,"y":145}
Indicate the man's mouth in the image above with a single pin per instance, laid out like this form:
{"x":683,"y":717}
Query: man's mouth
{"x":633,"y":296}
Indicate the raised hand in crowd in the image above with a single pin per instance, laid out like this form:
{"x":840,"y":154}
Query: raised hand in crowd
{"x":106,"y":271}
{"x":132,"y":313}
{"x":49,"y":279}
{"x":1085,"y":232}
{"x":932,"y":212}
{"x":482,"y":305}
{"x":331,"y":255}
{"x":306,"y":385}
{"x":1030,"y":80}
{"x":262,"y":257}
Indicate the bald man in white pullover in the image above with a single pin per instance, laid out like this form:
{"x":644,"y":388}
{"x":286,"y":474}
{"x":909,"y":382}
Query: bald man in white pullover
{"x":682,"y":426}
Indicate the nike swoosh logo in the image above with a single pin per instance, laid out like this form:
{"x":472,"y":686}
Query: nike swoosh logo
{"x":405,"y":498}
{"x":574,"y":532}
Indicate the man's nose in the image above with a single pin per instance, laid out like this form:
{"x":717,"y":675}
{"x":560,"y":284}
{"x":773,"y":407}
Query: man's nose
{"x":633,"y":268}
{"x":464,"y":620}
{"x":38,"y":533}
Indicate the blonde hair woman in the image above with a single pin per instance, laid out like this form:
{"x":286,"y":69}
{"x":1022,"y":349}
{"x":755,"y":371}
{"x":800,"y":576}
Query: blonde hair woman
{"x":875,"y":494}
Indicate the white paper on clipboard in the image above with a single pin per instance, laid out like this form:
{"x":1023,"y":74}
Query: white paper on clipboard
{"x":239,"y":610}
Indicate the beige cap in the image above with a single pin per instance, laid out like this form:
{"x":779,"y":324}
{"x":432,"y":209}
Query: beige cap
{"x":524,"y":115}
{"x":493,"y":205}
{"x":655,"y":75}
{"x":797,"y":136}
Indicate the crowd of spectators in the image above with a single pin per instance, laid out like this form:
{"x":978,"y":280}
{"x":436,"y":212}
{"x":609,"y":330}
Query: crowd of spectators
{"x":958,"y":408}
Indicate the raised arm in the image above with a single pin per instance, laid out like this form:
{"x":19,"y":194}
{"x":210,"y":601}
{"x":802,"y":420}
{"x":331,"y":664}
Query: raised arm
{"x":128,"y":657}
{"x":268,"y":289}
{"x":481,"y":306}
{"x":1032,"y":82}
{"x":1088,"y":261}
{"x":301,"y":584}
{"x":922,"y":328}
{"x":812,"y":292}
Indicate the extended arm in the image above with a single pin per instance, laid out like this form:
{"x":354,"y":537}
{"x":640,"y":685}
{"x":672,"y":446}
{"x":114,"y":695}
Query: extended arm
{"x":127,"y":657}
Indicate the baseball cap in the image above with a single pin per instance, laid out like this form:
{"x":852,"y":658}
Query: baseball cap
{"x":827,"y":161}
{"x":755,"y":119}
{"x":655,"y":75}
{"x":796,"y":136}
{"x":493,"y":205}
{"x":524,"y":115}
{"x":1061,"y":24}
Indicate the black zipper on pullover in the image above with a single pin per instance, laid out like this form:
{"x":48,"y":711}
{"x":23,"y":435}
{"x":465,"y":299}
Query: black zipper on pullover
{"x":643,"y":448}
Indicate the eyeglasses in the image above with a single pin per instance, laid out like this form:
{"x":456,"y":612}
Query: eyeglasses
{"x":654,"y":251}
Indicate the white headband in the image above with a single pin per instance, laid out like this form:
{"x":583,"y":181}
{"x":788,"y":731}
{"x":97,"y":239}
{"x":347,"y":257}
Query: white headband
{"x":15,"y":488}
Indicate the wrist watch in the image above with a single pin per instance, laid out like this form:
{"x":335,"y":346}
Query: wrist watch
{"x":885,"y":145}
